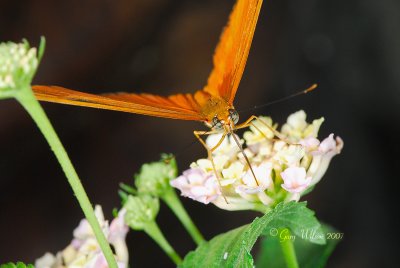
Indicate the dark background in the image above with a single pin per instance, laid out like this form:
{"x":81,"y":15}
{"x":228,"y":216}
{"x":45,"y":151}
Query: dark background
{"x":350,"y":47}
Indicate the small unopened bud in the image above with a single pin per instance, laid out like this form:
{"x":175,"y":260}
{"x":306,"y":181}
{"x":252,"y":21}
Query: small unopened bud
{"x":141,"y":210}
{"x":154,"y":178}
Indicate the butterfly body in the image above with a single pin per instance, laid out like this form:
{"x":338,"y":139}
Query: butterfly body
{"x":216,"y":110}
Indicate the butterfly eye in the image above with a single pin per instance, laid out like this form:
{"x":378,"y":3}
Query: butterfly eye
{"x":216,"y":123}
{"x":234,"y":116}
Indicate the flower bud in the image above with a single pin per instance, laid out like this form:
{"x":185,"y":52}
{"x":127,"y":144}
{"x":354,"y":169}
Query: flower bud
{"x":140,"y":210}
{"x":18,"y":64}
{"x":154,"y":178}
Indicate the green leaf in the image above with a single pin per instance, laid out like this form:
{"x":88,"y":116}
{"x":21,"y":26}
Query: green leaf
{"x":299,"y":219}
{"x":309,"y":255}
{"x":17,"y":265}
{"x":232,"y":249}
{"x":223,"y":250}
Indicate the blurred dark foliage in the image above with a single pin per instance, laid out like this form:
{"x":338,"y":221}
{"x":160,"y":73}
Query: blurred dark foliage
{"x":351,"y":48}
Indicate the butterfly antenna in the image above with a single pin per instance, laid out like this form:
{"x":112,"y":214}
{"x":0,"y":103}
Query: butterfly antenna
{"x":305,"y":91}
{"x":243,"y":153}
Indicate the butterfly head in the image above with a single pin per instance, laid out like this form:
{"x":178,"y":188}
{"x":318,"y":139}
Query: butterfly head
{"x":230,"y":118}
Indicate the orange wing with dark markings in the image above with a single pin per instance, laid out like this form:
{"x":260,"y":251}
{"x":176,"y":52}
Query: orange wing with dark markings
{"x":229,"y":62}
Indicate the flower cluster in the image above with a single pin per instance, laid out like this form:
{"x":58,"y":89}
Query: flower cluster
{"x":284,"y":165}
{"x":84,"y":251}
{"x":18,"y":64}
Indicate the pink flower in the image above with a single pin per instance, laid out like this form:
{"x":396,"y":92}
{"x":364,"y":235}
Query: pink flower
{"x":117,"y":236}
{"x":118,"y":228}
{"x":197,"y":185}
{"x":328,"y":148}
{"x":99,"y":261}
{"x":84,"y":250}
{"x":295,"y":179}
{"x":84,"y":230}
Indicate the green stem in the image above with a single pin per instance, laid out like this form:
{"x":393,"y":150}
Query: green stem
{"x":288,"y":251}
{"x":155,"y":233}
{"x":32,"y":106}
{"x":173,"y":202}
{"x":7,"y":94}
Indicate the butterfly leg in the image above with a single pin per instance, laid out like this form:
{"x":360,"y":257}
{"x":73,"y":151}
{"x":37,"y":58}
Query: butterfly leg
{"x":198,"y":135}
{"x":249,"y":122}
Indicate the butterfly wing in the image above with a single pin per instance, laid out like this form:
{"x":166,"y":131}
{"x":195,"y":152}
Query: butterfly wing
{"x":229,"y":61}
{"x":179,"y":106}
{"x":233,"y":49}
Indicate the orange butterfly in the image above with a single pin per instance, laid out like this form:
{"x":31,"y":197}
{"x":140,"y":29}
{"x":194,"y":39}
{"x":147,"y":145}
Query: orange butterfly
{"x":212,"y":105}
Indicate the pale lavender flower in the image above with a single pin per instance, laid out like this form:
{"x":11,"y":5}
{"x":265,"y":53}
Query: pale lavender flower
{"x":84,"y":230}
{"x":99,"y":261}
{"x":328,"y":148}
{"x":295,"y":179}
{"x":197,"y":185}
{"x":117,"y":235}
{"x":310,"y":143}
{"x":118,"y":228}
{"x":85,"y":252}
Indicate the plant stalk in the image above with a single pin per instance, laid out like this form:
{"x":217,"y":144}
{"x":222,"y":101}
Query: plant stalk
{"x":289,"y":253}
{"x":28,"y":101}
{"x":173,"y":202}
{"x":155,"y":233}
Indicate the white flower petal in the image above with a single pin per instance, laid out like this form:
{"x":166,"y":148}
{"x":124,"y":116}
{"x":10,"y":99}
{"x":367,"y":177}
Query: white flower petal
{"x":46,"y":261}
{"x":227,"y":147}
{"x":234,"y":171}
{"x":290,"y":155}
{"x":262,"y":178}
